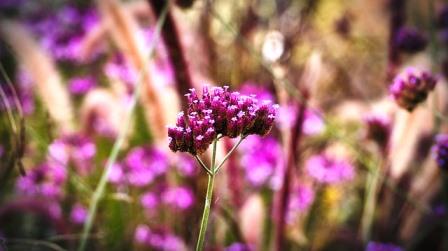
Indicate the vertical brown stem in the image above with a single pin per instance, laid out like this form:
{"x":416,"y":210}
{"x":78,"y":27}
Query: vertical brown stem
{"x":283,"y":199}
{"x":176,"y":54}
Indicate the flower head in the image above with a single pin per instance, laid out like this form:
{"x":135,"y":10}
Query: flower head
{"x":219,"y":112}
{"x":329,"y":170}
{"x":410,"y":40}
{"x":412,"y":87}
{"x":440,"y":151}
{"x":378,"y":128}
{"x":45,"y":180}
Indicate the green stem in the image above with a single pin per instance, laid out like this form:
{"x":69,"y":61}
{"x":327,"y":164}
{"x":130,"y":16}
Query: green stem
{"x":206,"y":213}
{"x":228,"y":154}
{"x":201,"y":163}
{"x":373,"y":182}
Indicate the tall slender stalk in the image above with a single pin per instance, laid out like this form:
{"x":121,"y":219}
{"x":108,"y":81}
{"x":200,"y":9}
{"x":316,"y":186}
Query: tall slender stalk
{"x":101,"y":187}
{"x":206,"y":213}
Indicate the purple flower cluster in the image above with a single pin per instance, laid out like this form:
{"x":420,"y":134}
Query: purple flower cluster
{"x":237,"y":246}
{"x":410,"y":40}
{"x":73,"y":149}
{"x":45,"y":180}
{"x":61,"y":33}
{"x":377,"y":246}
{"x":412,"y":87}
{"x":261,"y":158}
{"x":140,"y":167}
{"x":219,"y":112}
{"x":328,"y":170}
{"x":175,"y":197}
{"x":78,"y":214}
{"x":158,"y":240}
{"x":440,"y":150}
{"x":81,"y":85}
{"x":301,"y":199}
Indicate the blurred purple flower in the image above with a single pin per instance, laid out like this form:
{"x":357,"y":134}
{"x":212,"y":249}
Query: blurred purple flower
{"x":377,"y":246}
{"x":76,"y":149}
{"x":178,"y":197}
{"x":149,"y":200}
{"x":81,"y":85}
{"x":260,"y":92}
{"x":45,"y":180}
{"x":440,"y":150}
{"x":143,"y":164}
{"x":302,"y":198}
{"x":118,"y":68}
{"x":158,"y":240}
{"x":78,"y":214}
{"x":378,"y":128}
{"x":186,"y":165}
{"x":411,"y":87}
{"x":328,"y":170}
{"x":219,"y":112}
{"x":410,"y":40}
{"x":61,"y":32}
{"x":260,"y":159}
{"x":313,"y":123}
{"x":237,"y":246}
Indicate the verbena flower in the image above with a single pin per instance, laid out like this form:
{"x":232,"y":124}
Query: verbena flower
{"x":178,"y":197}
{"x":329,"y":170}
{"x":144,"y":164}
{"x":410,"y":40}
{"x":411,"y":87}
{"x":158,"y":240}
{"x":140,"y":167}
{"x":237,"y":246}
{"x":377,"y":246}
{"x":378,"y":128}
{"x":300,"y":200}
{"x":440,"y":151}
{"x":81,"y":85}
{"x":45,"y":180}
{"x":62,"y":32}
{"x":219,"y":112}
{"x":149,"y":200}
{"x":78,"y":214}
{"x":74,"y":149}
{"x":261,"y":157}
{"x":186,"y":165}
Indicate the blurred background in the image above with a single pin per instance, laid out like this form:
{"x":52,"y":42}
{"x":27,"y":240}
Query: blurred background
{"x":89,"y":87}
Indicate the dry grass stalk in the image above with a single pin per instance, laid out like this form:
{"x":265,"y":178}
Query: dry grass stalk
{"x":43,"y":71}
{"x":124,"y":30}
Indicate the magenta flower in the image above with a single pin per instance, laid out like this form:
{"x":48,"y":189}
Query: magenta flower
{"x":81,"y":85}
{"x":178,"y":197}
{"x":411,"y":87}
{"x":45,"y":180}
{"x":140,"y":167}
{"x":440,"y":150}
{"x":328,"y":170}
{"x":73,"y":149}
{"x":219,"y":112}
{"x":261,"y":158}
{"x":149,"y":200}
{"x":78,"y":214}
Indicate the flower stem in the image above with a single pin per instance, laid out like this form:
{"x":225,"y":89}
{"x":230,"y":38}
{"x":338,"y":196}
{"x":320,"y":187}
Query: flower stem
{"x":228,"y":154}
{"x":205,"y":214}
